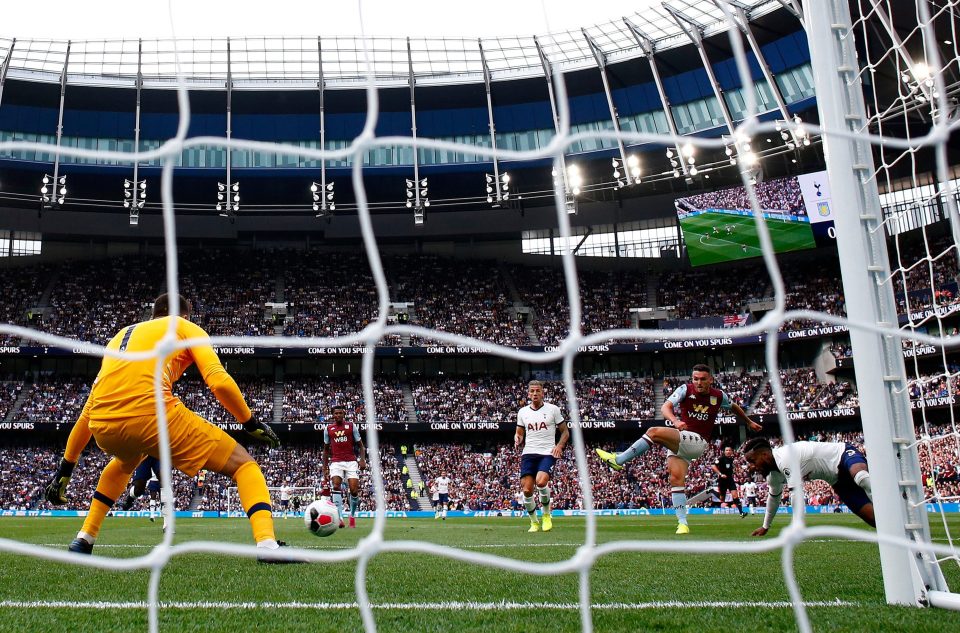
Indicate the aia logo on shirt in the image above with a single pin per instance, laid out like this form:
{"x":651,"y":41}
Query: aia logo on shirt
{"x":537,"y":426}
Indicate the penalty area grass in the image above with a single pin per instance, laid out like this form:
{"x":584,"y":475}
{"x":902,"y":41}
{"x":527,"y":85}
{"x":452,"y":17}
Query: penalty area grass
{"x":840,"y":580}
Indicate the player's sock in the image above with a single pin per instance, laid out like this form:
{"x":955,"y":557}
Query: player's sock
{"x":680,"y":503}
{"x":113,"y":481}
{"x":736,"y":503}
{"x":338,"y":501}
{"x":544,"y":498}
{"x":354,"y":503}
{"x":530,"y":504}
{"x":255,"y":499}
{"x":862,"y":479}
{"x":638,"y":448}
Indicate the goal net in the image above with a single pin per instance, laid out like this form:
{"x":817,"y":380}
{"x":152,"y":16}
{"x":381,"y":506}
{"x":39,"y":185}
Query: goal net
{"x":886,"y":86}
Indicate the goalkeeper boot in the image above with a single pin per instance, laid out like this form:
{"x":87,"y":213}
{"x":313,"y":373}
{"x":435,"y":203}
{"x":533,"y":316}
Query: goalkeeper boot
{"x":80,"y":546}
{"x":534,"y":525}
{"x":263,"y":560}
{"x":547,"y":522}
{"x":683,"y":528}
{"x":608,"y":458}
{"x":353,"y":522}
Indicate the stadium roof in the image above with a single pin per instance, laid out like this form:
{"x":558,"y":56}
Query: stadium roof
{"x":290,"y":61}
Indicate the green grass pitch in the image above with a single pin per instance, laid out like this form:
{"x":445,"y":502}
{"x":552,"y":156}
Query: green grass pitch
{"x":418,"y":592}
{"x":706,"y":247}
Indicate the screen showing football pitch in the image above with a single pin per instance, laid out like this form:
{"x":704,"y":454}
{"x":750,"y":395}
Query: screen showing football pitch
{"x":718,"y":226}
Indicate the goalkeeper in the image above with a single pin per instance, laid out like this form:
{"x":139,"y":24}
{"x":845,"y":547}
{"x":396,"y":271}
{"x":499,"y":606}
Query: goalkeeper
{"x":120,"y":413}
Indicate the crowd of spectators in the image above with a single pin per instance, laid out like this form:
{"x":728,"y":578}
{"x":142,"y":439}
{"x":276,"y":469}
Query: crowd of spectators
{"x":92,"y":300}
{"x":484,"y":476}
{"x":605,"y":297}
{"x":778,"y":195}
{"x":456,"y":296}
{"x":9,"y":392}
{"x":499,"y":399}
{"x":229,"y":290}
{"x":54,"y":399}
{"x":928,"y":270}
{"x":310,"y":400}
{"x":803,"y":391}
{"x":22,"y":290}
{"x":258,"y":392}
{"x":701,"y":293}
{"x":820,"y":290}
{"x":327,"y":295}
{"x":941,"y":385}
{"x":333,"y":294}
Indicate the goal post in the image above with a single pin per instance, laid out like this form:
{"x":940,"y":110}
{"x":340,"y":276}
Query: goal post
{"x":889,"y":437}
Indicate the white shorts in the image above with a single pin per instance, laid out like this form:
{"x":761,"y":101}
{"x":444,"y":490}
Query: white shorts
{"x":691,"y":446}
{"x":345,"y":470}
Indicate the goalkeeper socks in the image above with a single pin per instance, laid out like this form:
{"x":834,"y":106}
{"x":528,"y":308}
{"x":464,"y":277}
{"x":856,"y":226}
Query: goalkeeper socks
{"x":113,"y":481}
{"x":862,"y":479}
{"x":545,"y":498}
{"x":338,"y":501}
{"x":255,"y":499}
{"x":638,"y":448}
{"x":354,"y":502}
{"x":680,"y":503}
{"x":529,"y":504}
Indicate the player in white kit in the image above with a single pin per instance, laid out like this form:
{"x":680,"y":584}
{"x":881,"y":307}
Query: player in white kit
{"x":841,"y":465}
{"x":537,"y":425}
{"x":443,"y":496}
{"x":749,"y":493}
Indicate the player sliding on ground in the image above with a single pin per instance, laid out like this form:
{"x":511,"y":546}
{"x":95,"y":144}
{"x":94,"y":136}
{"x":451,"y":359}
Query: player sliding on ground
{"x":537,"y":425}
{"x":699,"y":403}
{"x":841,"y":465}
{"x":121,"y":414}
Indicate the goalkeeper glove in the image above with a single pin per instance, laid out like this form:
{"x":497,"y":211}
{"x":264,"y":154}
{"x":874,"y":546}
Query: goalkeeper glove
{"x":262,"y":432}
{"x":56,"y":490}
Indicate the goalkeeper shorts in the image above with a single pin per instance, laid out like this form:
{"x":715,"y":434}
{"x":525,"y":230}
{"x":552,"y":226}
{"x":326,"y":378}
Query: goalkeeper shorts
{"x":194,"y":442}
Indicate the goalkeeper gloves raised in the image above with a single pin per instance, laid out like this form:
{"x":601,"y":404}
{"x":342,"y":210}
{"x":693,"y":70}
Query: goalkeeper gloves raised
{"x":56,"y":490}
{"x":261,"y":432}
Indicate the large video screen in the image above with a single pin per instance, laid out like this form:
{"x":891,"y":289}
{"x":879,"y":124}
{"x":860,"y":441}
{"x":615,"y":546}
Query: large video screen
{"x":718,"y":226}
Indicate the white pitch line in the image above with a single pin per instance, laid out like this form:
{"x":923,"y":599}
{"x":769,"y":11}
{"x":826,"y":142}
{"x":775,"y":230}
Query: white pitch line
{"x":340,"y":547}
{"x":416,"y":606}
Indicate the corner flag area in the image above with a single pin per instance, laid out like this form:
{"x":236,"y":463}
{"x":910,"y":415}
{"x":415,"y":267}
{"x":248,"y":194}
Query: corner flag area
{"x":719,"y":237}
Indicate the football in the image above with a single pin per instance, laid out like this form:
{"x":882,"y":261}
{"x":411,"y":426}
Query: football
{"x":322,"y":517}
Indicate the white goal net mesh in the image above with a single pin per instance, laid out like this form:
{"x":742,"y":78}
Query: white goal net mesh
{"x":913,"y":116}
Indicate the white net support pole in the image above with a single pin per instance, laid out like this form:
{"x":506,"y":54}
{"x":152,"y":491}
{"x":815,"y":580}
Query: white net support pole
{"x":881,"y":375}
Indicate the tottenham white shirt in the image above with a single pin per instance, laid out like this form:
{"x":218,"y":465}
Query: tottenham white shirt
{"x":818,"y":460}
{"x":750,"y":489}
{"x":443,"y":485}
{"x":540,"y":428}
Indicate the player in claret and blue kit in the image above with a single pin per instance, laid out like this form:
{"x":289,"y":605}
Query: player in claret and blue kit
{"x":841,"y":465}
{"x":699,"y":403}
{"x":537,"y":425}
{"x":343,"y":451}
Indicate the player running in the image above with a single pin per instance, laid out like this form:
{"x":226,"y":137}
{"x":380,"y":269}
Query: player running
{"x":537,"y":425}
{"x":841,"y":465}
{"x":120,"y":413}
{"x":699,"y":403}
{"x":726,"y":480}
{"x":341,"y":441}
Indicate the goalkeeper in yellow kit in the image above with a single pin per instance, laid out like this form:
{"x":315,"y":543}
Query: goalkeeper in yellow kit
{"x":121,"y":415}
